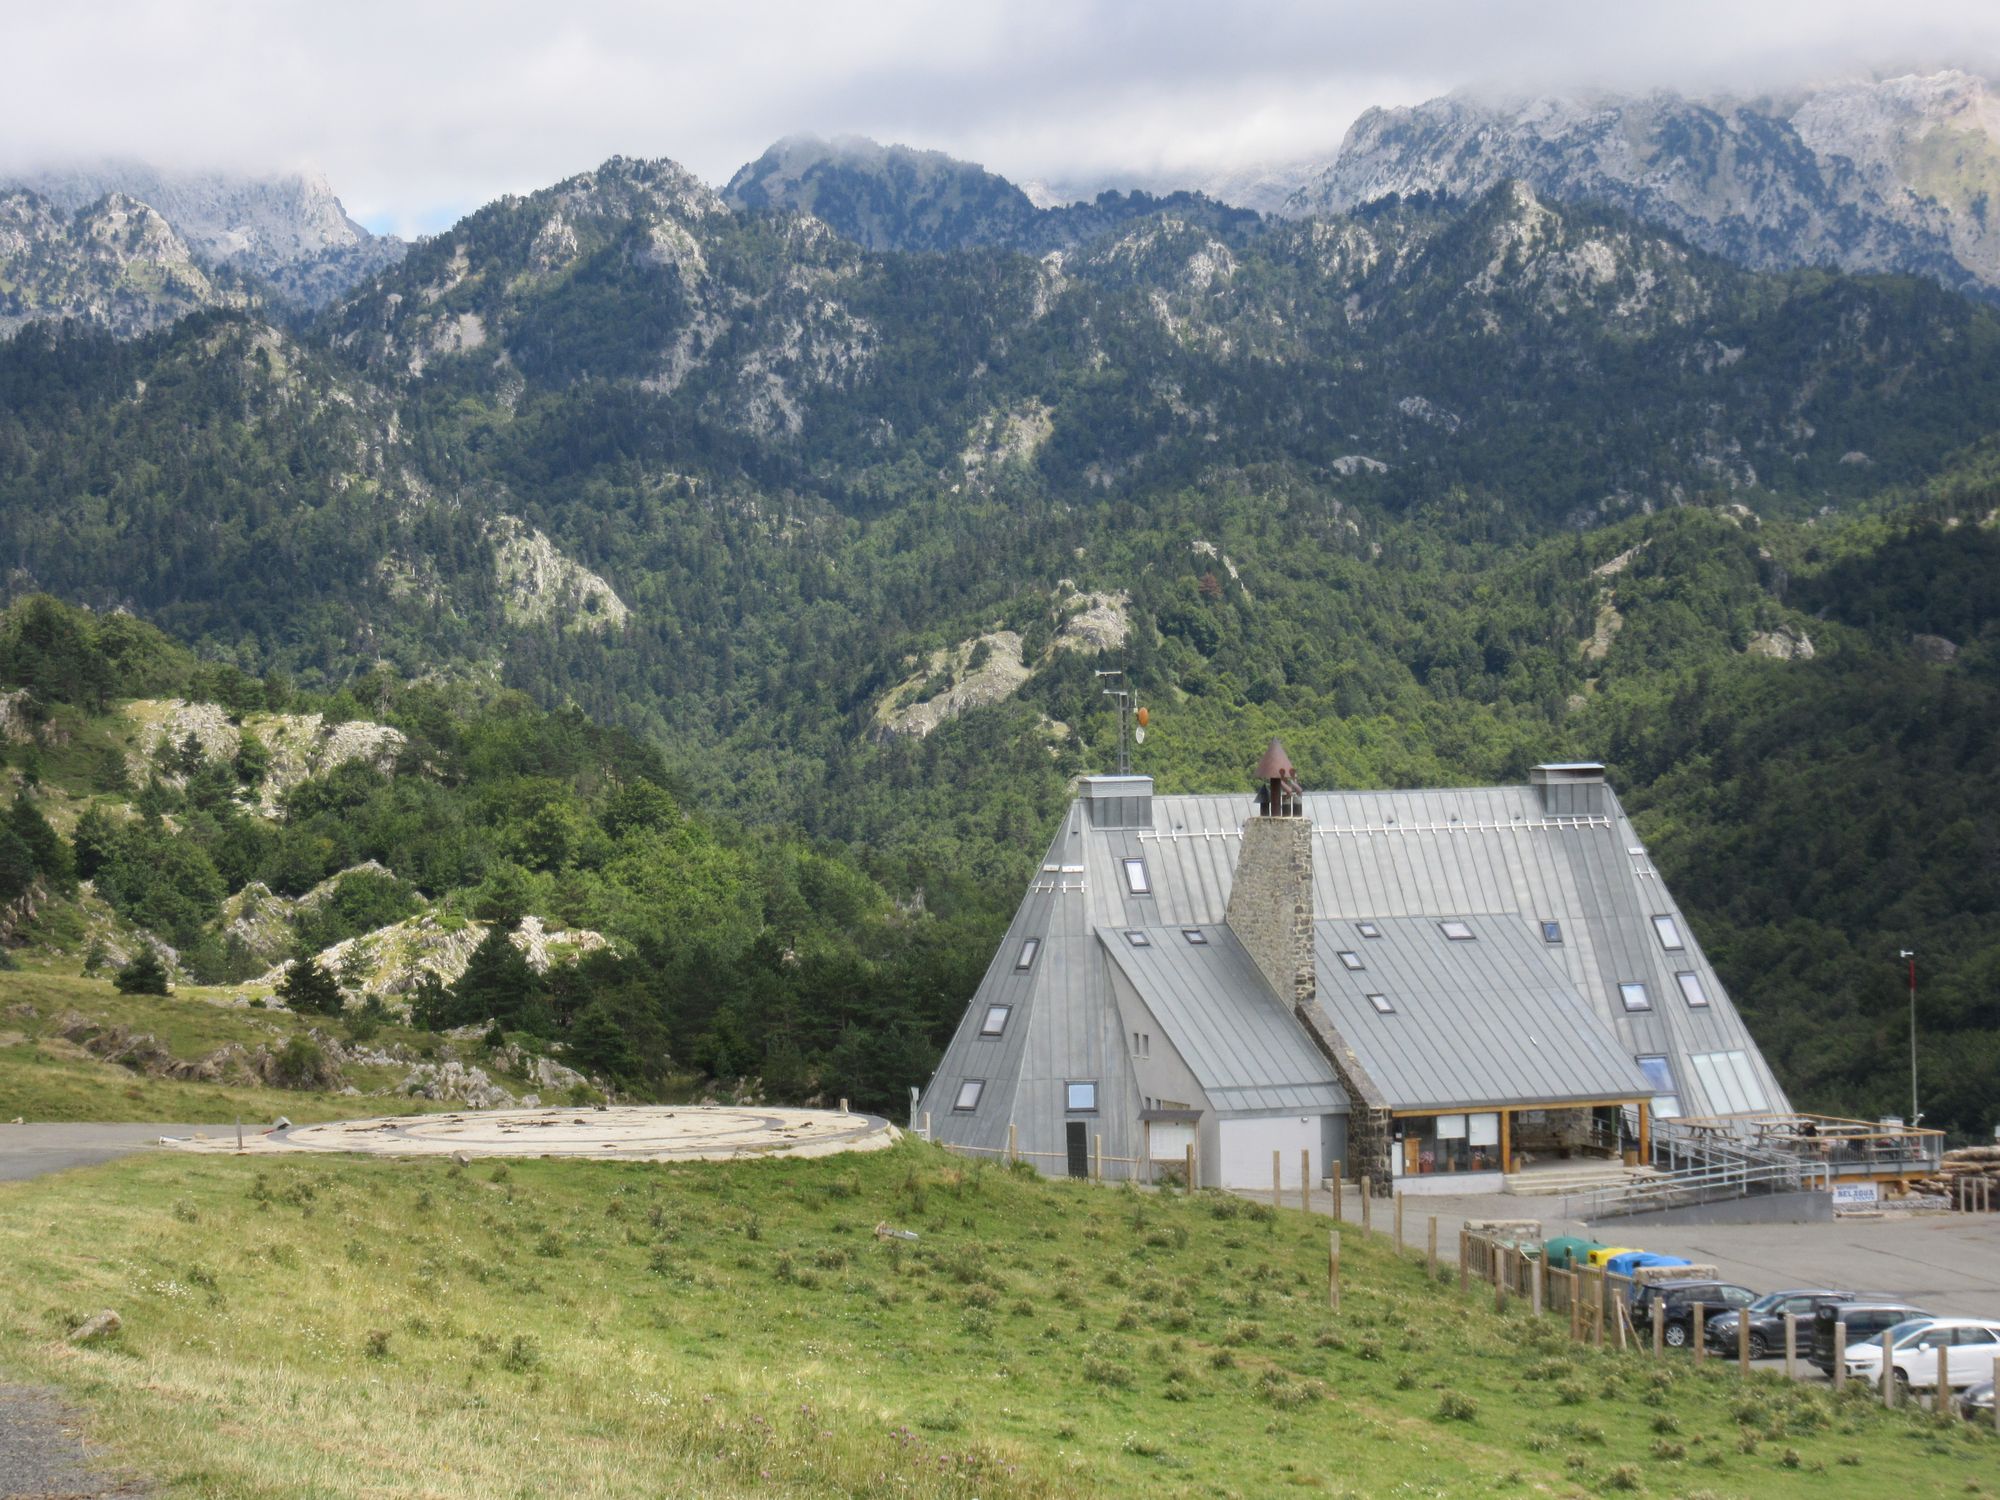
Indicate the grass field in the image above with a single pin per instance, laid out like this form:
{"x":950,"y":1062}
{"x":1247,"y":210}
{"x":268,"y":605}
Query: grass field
{"x":361,"y":1327}
{"x":45,"y":1078}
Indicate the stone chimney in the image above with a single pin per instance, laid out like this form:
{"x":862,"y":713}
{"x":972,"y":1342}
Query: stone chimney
{"x":1271,"y":901}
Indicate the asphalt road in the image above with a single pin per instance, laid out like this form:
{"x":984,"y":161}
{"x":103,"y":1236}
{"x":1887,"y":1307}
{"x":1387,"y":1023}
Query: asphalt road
{"x":31,"y":1150}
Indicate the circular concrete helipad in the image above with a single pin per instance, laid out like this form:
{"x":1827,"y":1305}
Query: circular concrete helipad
{"x":621,"y":1133}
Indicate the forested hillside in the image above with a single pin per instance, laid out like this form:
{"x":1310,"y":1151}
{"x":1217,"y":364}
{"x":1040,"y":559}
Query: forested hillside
{"x":1433,"y":491}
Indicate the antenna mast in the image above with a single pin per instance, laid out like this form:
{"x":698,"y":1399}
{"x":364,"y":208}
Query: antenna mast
{"x":1124,"y":697}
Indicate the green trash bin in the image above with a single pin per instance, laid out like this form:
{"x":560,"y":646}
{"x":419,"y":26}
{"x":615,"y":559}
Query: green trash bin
{"x":1568,"y":1252}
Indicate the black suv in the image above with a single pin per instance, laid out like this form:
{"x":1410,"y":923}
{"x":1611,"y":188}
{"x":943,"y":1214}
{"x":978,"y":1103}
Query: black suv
{"x":1864,"y":1320}
{"x":1767,"y":1320}
{"x":1679,"y":1300}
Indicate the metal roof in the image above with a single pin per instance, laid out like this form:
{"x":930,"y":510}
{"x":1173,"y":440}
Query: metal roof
{"x":1243,"y":1046}
{"x":1488,"y":1021}
{"x":1488,"y":850}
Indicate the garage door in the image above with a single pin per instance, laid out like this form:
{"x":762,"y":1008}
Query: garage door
{"x":1247,"y":1146}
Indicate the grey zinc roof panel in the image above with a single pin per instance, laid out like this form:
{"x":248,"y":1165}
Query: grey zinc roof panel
{"x":1244,"y":1047}
{"x":1492,"y":1021}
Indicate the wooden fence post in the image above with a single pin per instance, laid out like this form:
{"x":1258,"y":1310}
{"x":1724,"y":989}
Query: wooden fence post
{"x":1743,"y":1341}
{"x":1700,"y":1332}
{"x":1572,"y":1285}
{"x":1146,"y":1145}
{"x":1536,"y":1273}
{"x":1013,"y":1143}
{"x":1464,"y":1262}
{"x":1659,"y":1325}
{"x":1941,"y":1398}
{"x":1305,"y":1182}
{"x":1333,"y":1269}
{"x":1399,"y":1223}
{"x":1791,"y":1346}
{"x":1889,"y":1380}
{"x":927,"y":1126}
{"x":1339,"y":1190}
{"x":1618,"y":1312}
{"x":1191,"y":1183}
{"x":1277,"y":1172}
{"x":1431,"y":1249}
{"x":1097,"y":1157}
{"x":1367,"y":1205}
{"x":1839,"y":1354}
{"x":1500,"y":1281}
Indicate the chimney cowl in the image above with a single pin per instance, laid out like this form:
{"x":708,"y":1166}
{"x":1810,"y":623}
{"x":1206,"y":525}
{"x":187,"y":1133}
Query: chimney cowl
{"x":1274,"y":764}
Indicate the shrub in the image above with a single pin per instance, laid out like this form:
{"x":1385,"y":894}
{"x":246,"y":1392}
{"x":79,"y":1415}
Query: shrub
{"x":144,"y":975}
{"x":523,"y":1354}
{"x":1453,"y":1407}
{"x":300,"y":1064}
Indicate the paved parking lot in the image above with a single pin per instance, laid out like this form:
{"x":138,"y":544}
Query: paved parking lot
{"x":1949,"y":1263}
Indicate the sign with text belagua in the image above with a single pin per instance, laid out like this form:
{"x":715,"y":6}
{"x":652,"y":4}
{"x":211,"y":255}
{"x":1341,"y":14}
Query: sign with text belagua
{"x":1855,"y":1195}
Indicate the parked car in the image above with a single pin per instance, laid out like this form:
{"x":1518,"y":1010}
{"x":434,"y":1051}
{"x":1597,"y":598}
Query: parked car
{"x":1975,"y":1402}
{"x":1865,"y":1318}
{"x":1679,"y":1300}
{"x":1970,"y":1346}
{"x":1767,"y":1320}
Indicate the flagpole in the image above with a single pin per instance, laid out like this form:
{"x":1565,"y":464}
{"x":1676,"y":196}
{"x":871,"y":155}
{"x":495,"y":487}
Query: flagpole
{"x":1911,"y":955}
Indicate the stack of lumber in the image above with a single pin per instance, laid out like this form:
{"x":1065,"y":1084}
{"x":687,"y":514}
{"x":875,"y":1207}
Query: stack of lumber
{"x":1969,"y":1177}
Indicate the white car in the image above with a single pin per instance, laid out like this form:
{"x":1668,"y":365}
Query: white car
{"x":1970,"y":1344}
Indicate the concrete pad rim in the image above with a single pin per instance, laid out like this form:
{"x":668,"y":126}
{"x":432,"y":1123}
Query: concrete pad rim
{"x":650,"y":1133}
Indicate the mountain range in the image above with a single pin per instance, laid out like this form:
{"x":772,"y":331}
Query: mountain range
{"x":1896,"y":174}
{"x":840,"y":510}
{"x":284,"y":236}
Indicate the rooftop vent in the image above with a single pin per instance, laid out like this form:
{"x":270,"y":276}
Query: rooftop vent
{"x":1119,"y":801}
{"x":1570,"y":788}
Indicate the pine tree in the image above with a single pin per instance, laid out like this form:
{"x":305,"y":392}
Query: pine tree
{"x":309,"y":989}
{"x":498,"y":984}
{"x":144,"y":975}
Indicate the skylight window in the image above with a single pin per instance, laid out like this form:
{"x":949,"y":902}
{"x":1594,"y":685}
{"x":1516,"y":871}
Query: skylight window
{"x":1660,"y":1078}
{"x":1082,"y":1098}
{"x":1137,"y":881}
{"x":968,"y":1094}
{"x":1382,"y":1004}
{"x":1350,"y":959}
{"x":996,"y":1020}
{"x":1552,"y":932}
{"x":1635,"y":997}
{"x":1029,"y":949}
{"x":1458,"y":932}
{"x":1368,"y":929}
{"x":1670,"y":933}
{"x":1195,"y":936}
{"x":1690,"y":983}
{"x":1138,"y":939}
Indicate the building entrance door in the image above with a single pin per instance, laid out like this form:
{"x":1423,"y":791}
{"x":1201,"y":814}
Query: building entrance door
{"x":1079,"y":1148}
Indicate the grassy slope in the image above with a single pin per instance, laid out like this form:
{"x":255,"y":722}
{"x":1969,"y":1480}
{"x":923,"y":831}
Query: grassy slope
{"x":43,"y":1077}
{"x":346,"y":1327}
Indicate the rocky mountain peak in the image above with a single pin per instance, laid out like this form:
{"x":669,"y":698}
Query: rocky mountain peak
{"x":1874,"y":175}
{"x":287,"y":230}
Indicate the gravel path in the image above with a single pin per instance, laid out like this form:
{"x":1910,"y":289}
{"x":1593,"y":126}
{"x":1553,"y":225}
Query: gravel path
{"x":41,"y":1456}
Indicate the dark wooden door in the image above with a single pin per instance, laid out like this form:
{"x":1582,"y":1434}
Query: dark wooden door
{"x":1079,"y":1148}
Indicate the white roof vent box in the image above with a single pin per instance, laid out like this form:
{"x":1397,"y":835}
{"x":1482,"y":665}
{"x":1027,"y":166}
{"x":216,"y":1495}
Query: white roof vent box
{"x":1119,"y":801}
{"x":1570,"y":788}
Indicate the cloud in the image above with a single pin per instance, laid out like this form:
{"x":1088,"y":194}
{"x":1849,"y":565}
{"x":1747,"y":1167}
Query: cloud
{"x":417,"y":111}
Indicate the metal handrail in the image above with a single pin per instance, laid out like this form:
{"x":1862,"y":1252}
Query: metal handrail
{"x":1704,"y":1184}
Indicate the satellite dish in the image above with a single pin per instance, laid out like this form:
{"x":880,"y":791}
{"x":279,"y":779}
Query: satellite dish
{"x":1139,"y":736}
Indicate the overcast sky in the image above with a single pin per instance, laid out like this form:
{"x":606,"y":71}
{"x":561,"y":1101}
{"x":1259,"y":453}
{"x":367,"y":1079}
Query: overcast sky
{"x":419,"y":111}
